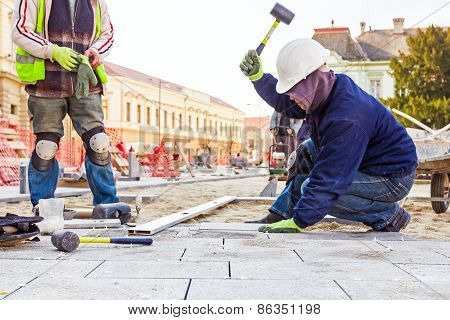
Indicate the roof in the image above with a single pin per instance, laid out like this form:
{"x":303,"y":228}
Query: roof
{"x":121,"y":71}
{"x":338,"y":39}
{"x":382,"y":45}
{"x":372,"y":45}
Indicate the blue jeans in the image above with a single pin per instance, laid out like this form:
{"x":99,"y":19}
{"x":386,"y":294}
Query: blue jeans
{"x":86,"y":114}
{"x":369,"y":199}
{"x":100,"y":179}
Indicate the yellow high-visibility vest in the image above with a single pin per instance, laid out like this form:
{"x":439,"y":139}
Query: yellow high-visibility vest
{"x":31,"y":69}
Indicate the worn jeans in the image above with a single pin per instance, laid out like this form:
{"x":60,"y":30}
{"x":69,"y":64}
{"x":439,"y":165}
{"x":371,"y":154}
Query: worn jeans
{"x":369,"y":199}
{"x":86,"y":114}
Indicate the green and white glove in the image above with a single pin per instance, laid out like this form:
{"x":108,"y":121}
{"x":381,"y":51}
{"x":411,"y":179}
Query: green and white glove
{"x":66,"y":57}
{"x":85,"y":76}
{"x":251,"y":65}
{"x":283,"y":226}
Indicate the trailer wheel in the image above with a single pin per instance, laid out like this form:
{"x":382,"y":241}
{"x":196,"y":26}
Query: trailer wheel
{"x":440,"y":189}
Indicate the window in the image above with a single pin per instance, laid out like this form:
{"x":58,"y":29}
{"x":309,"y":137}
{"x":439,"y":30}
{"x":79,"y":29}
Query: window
{"x":197,"y":124}
{"x":221,"y":129}
{"x":204,"y":125}
{"x":210,"y":126}
{"x":157,"y":117}
{"x":128,"y":112}
{"x":180,"y":120}
{"x":375,"y":88}
{"x":165,"y":119}
{"x":104,"y":107}
{"x":173,"y":120}
{"x":139,"y":119}
{"x":148,"y":116}
{"x":14,"y":109}
{"x":190,"y":122}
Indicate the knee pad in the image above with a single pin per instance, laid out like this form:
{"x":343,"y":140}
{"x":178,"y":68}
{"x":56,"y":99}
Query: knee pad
{"x":45,"y":149}
{"x":96,"y":142}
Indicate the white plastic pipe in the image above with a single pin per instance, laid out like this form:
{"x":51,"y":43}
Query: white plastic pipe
{"x":420,"y":124}
{"x":441,"y":131}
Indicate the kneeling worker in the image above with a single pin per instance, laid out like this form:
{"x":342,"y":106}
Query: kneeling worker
{"x":360,"y":160}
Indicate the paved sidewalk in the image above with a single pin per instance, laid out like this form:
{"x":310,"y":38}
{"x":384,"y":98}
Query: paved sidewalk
{"x":232,"y":261}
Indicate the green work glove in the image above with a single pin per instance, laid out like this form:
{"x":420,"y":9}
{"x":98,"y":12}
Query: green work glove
{"x":251,"y":65}
{"x":66,"y":57}
{"x":283,"y":226}
{"x":85,"y":76}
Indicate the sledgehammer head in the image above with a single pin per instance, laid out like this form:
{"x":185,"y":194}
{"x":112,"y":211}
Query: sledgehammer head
{"x":65,"y":241}
{"x":282,"y":14}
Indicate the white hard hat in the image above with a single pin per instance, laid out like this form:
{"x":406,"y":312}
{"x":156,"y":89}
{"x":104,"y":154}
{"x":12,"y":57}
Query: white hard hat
{"x":297,"y":60}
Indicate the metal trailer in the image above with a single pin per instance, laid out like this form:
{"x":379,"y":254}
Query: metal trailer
{"x":439,"y":168}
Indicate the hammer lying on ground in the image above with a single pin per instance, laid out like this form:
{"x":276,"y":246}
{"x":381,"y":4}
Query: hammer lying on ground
{"x":120,"y":210}
{"x":67,"y":241}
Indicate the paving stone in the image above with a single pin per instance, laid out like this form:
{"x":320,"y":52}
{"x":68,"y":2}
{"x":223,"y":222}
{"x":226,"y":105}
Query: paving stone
{"x":238,"y":254}
{"x":162,"y":269}
{"x":30,"y":252}
{"x":337,"y":251}
{"x":264,"y":290}
{"x":442,"y":247}
{"x":123,"y":253}
{"x":388,"y":290}
{"x":230,"y":226}
{"x":229,"y":234}
{"x":170,"y":244}
{"x":428,"y":272}
{"x":441,"y":287}
{"x":293,"y":243}
{"x":370,"y":235}
{"x":416,"y":257}
{"x":105,"y":289}
{"x":16,"y":273}
{"x":24,"y":271}
{"x":375,"y":270}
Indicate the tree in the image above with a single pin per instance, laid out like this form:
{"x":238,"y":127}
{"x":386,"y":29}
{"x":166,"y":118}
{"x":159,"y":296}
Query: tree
{"x":422,"y":87}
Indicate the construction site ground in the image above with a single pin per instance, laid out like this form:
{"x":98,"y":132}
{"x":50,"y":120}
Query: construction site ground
{"x":217,"y":256}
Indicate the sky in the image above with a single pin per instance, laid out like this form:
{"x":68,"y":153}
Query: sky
{"x":200,"y":43}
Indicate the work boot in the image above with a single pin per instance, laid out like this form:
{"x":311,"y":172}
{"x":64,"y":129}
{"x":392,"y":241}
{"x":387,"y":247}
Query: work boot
{"x":400,"y":222}
{"x":35,"y":211}
{"x":270,"y":218}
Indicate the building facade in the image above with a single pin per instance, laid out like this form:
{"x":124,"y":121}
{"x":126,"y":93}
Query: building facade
{"x":257,"y":139}
{"x":13,"y":97}
{"x":366,"y":58}
{"x":141,"y":109}
{"x":146,"y":110}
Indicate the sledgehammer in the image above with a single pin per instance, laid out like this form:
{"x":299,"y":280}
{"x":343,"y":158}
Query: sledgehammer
{"x":281,"y":14}
{"x":67,"y":241}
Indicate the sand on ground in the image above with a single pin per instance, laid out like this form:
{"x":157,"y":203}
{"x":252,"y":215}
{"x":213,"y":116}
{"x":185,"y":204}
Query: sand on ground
{"x":425,"y":224}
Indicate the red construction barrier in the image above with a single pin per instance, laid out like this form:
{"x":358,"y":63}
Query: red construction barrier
{"x":9,"y":164}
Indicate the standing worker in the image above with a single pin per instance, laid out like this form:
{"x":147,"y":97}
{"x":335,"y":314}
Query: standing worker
{"x":284,"y":131}
{"x":359,"y":162}
{"x":60,"y":43}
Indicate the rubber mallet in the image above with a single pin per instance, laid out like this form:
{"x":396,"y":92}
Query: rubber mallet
{"x":281,"y":14}
{"x":68,"y":241}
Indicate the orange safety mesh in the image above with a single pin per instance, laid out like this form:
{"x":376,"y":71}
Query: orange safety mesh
{"x":9,"y":164}
{"x":71,"y":153}
{"x":28,"y":139}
